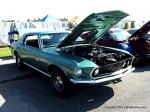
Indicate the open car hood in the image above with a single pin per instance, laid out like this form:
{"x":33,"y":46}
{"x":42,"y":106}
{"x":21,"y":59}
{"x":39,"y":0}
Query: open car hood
{"x":97,"y":23}
{"x":142,"y":31}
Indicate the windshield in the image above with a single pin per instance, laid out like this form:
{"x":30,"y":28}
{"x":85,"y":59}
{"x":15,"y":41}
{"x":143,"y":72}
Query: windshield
{"x":120,"y":34}
{"x":52,"y":39}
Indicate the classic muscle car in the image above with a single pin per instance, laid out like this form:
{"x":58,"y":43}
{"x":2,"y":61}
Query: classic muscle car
{"x":138,"y":43}
{"x":70,"y":58}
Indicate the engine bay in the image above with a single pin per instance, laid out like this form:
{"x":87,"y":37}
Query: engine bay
{"x":99,"y":55}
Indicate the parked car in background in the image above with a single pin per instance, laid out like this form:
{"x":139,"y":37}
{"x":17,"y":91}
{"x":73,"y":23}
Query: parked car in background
{"x":75,"y":58}
{"x":137,"y":43}
{"x":133,"y":30}
{"x":114,"y":37}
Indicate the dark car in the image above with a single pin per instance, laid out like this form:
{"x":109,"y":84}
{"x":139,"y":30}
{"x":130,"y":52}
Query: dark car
{"x":137,"y":43}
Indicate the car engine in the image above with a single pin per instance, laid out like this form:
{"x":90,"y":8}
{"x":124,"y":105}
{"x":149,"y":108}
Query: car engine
{"x":109,"y":60}
{"x":100,"y":56}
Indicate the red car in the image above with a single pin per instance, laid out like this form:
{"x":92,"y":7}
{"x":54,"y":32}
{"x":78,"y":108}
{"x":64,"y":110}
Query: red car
{"x":137,"y":44}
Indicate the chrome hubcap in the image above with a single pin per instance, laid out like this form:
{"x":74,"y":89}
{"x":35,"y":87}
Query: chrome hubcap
{"x":18,"y":61}
{"x":58,"y":84}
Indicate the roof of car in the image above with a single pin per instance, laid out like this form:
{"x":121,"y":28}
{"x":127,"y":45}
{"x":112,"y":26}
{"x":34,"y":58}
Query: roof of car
{"x":37,"y":30}
{"x":116,"y":29}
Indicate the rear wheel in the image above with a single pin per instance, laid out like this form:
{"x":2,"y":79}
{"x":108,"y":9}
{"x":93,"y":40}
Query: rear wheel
{"x":60,"y":84}
{"x":19,"y":62}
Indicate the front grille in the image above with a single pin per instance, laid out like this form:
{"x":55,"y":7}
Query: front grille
{"x":106,"y":70}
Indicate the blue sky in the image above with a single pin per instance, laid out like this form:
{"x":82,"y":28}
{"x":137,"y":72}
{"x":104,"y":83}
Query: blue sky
{"x":21,"y":10}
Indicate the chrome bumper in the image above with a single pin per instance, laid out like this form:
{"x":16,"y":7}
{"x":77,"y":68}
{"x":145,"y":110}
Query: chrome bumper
{"x":115,"y":75}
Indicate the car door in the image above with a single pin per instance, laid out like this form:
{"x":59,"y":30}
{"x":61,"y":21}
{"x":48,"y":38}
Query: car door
{"x":45,"y":41}
{"x":31,"y":49}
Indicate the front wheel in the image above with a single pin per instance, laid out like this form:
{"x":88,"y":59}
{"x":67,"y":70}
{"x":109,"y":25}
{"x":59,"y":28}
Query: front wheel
{"x":60,"y":84}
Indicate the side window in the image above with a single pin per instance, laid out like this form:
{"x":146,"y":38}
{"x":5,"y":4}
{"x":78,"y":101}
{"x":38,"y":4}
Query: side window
{"x":46,"y":40}
{"x":31,"y":40}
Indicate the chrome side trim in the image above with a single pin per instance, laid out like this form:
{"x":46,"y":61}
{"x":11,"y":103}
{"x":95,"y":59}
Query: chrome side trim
{"x":36,"y":69}
{"x":103,"y":79}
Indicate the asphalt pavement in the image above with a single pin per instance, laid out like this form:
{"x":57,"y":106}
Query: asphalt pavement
{"x":29,"y":91}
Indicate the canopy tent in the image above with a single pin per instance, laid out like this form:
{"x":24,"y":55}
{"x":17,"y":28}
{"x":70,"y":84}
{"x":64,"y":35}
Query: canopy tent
{"x":48,"y":23}
{"x":4,"y":29}
{"x":48,"y":18}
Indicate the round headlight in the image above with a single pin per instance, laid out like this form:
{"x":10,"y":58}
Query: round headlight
{"x":96,"y":72}
{"x":78,"y":72}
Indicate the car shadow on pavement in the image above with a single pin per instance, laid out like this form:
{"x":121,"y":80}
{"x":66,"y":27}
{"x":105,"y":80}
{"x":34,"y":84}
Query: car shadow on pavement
{"x":10,"y":72}
{"x":33,"y":93}
{"x":142,"y":68}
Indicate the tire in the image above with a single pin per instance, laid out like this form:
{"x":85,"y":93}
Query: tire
{"x":59,"y":82}
{"x":19,"y":62}
{"x":140,"y":60}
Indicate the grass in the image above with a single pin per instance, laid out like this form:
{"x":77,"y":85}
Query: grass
{"x":5,"y":52}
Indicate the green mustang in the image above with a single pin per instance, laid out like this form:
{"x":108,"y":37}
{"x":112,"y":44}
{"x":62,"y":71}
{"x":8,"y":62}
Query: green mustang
{"x":74,"y":58}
